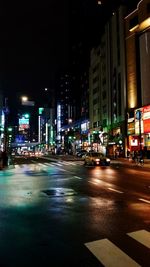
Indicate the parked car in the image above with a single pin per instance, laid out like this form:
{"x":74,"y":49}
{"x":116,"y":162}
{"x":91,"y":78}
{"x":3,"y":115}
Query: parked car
{"x":96,"y":158}
{"x":81,"y":153}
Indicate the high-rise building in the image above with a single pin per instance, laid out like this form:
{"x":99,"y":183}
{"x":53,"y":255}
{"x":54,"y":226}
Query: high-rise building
{"x":65,"y":98}
{"x":138,"y":78}
{"x":107,"y":88}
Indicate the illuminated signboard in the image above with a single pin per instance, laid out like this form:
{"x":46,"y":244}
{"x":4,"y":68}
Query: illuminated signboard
{"x":41,"y":111}
{"x":131,"y":126}
{"x":146,"y":119}
{"x":142,"y":119}
{"x":138,"y":120}
{"x":23,"y":124}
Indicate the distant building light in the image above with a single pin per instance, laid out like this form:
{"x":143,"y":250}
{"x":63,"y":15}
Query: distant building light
{"x":24,"y":98}
{"x":99,"y":2}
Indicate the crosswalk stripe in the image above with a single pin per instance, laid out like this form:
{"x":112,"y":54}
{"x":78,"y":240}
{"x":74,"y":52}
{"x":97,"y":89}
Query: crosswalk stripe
{"x":60,"y":163}
{"x":71,"y":163}
{"x":144,"y":200}
{"x":47,"y":164}
{"x":66,"y":163}
{"x":115,"y":190}
{"x":77,"y":177}
{"x":57,"y":164}
{"x":109,"y":254}
{"x":142,"y":237}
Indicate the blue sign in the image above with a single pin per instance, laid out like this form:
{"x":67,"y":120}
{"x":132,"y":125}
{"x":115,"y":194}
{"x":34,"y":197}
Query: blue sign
{"x":138,"y":114}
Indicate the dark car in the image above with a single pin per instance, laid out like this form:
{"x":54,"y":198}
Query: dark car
{"x":96,"y":158}
{"x":81,"y":153}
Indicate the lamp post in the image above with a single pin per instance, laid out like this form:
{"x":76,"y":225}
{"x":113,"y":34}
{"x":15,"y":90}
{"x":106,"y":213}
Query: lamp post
{"x":24,"y":98}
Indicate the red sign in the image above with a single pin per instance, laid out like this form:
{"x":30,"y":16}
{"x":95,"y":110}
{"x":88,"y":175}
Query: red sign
{"x":144,"y":121}
{"x":147,"y":126}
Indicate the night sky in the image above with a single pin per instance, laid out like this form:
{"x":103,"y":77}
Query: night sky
{"x":33,"y":43}
{"x":35,"y":38}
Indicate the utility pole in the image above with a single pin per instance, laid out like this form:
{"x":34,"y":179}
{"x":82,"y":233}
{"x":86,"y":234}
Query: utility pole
{"x":6,"y":111}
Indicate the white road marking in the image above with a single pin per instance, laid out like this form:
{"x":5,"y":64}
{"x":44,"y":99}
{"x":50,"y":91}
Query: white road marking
{"x":117,"y":191}
{"x":66,"y":163}
{"x":77,"y":177}
{"x":71,"y":163}
{"x":92,"y":182}
{"x":57,"y":164}
{"x":144,"y":200}
{"x":38,"y":166}
{"x":48,"y":164}
{"x":142,"y":237}
{"x":109,"y":254}
{"x":52,"y":164}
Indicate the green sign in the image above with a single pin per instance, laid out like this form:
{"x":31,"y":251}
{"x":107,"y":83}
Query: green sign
{"x":40,"y":111}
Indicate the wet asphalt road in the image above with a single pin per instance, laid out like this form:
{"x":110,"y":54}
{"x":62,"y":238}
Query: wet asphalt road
{"x":51,"y":211}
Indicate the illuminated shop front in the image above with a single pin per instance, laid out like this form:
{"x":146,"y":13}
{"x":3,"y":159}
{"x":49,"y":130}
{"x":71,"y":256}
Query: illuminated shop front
{"x":139,"y":130}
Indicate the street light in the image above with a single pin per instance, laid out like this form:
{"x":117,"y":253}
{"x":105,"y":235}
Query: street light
{"x":24,"y":98}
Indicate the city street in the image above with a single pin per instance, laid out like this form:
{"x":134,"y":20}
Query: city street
{"x":57,"y":212}
{"x":75,"y":133}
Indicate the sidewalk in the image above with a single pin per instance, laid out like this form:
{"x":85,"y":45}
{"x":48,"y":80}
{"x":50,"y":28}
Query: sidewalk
{"x":129,"y":162}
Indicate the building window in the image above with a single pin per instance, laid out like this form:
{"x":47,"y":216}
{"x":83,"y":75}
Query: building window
{"x":148,"y":8}
{"x":104,"y":109}
{"x":95,"y":101}
{"x":104,"y":81}
{"x":105,"y":123}
{"x":94,"y":112}
{"x":95,"y":79}
{"x":96,"y":124}
{"x":104,"y":95}
{"x":118,"y":39}
{"x":95,"y":90}
{"x":119,"y":94}
{"x":96,"y":68}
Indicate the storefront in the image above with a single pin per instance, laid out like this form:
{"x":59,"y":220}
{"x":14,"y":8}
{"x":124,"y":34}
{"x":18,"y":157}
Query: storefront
{"x":139,"y":131}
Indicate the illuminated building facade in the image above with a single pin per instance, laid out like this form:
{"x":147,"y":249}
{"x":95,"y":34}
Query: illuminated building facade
{"x":138,"y":77}
{"x":46,"y":129}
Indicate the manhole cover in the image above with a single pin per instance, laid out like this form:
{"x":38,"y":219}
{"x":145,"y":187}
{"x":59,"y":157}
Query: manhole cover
{"x":59,"y":192}
{"x":36,"y":173}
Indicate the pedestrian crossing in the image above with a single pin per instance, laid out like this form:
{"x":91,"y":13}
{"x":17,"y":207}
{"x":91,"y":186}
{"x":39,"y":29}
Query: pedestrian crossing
{"x":62,"y":163}
{"x":112,"y":256}
{"x":44,"y":165}
{"x":142,"y":236}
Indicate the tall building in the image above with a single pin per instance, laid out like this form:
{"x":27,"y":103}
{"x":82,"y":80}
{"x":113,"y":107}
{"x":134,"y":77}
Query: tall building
{"x":138,"y":78}
{"x":107,"y":88}
{"x":2,"y":121}
{"x":65,"y":98}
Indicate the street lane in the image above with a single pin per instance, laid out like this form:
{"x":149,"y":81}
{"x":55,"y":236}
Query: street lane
{"x":50,"y":210}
